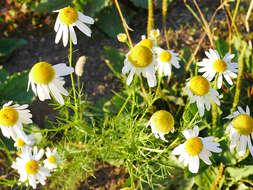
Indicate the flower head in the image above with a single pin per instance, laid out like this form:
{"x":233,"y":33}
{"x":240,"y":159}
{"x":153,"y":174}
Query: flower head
{"x":223,"y":67}
{"x":53,"y":160}
{"x":29,"y":168}
{"x":80,"y":65}
{"x":161,"y":122}
{"x":155,"y":33}
{"x":11,"y":119}
{"x":140,"y":59}
{"x":200,"y":91}
{"x":122,"y":37}
{"x":44,"y":77}
{"x":196,"y":147}
{"x":67,"y":18}
{"x":241,"y":130}
{"x":165,"y":59}
{"x":22,"y":143}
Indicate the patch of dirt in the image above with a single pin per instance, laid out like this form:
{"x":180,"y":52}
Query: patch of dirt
{"x":106,"y":177}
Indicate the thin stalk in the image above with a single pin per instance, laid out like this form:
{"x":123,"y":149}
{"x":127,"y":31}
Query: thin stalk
{"x":124,"y":23}
{"x":143,"y":90}
{"x":239,"y":79}
{"x":150,"y":17}
{"x":214,"y":108}
{"x":71,"y":75}
{"x":164,"y":13}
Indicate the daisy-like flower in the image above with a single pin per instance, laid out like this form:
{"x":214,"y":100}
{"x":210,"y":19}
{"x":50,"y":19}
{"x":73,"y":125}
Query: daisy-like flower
{"x":122,"y":37}
{"x":155,"y":33}
{"x":161,"y":122}
{"x":240,"y":130}
{"x":11,"y":119}
{"x":44,"y":77}
{"x":140,"y":59}
{"x":166,"y":58}
{"x":29,"y":168}
{"x":223,"y":67}
{"x":199,"y":90}
{"x":22,"y":143}
{"x":196,"y":147}
{"x":53,"y":159}
{"x":67,"y":18}
{"x":147,"y":42}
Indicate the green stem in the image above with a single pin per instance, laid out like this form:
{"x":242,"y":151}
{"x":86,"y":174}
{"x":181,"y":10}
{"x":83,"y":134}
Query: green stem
{"x":214,"y":108}
{"x":150,"y":17}
{"x":239,"y":79}
{"x":71,"y":75}
{"x":164,"y":13}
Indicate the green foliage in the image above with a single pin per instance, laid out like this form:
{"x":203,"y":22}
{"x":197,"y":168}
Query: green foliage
{"x":14,"y":87}
{"x":51,"y":5}
{"x":8,"y":46}
{"x":237,"y":173}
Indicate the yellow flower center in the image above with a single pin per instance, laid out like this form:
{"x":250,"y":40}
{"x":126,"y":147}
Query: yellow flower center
{"x":163,"y":121}
{"x":155,"y":33}
{"x":32,"y":167}
{"x":8,"y":116}
{"x":194,"y":146}
{"x":122,"y":37}
{"x":20,"y":142}
{"x":68,"y":15}
{"x":51,"y":159}
{"x":219,"y":65}
{"x":165,"y":56}
{"x":147,"y":43}
{"x":140,"y":56}
{"x":42,"y":73}
{"x":199,"y":85}
{"x":243,"y":124}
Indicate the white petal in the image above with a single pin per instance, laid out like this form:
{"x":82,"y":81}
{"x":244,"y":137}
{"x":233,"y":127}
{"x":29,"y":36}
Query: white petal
{"x":85,"y":29}
{"x":188,"y":133}
{"x":85,"y":19}
{"x":130,"y":76}
{"x":219,"y":80}
{"x":196,"y":130}
{"x":250,"y":145}
{"x":204,"y":156}
{"x":57,"y":24}
{"x":62,"y":69}
{"x":65,"y":35}
{"x":72,"y":34}
{"x":242,"y":145}
{"x":59,"y":34}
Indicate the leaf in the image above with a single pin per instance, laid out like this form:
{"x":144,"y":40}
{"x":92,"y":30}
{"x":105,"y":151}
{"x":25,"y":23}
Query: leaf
{"x":144,"y":3}
{"x":91,"y":7}
{"x":221,"y":46}
{"x":239,"y":173}
{"x":3,"y":74}
{"x":8,"y":46}
{"x":15,"y":88}
{"x":109,"y":20}
{"x":50,"y":5}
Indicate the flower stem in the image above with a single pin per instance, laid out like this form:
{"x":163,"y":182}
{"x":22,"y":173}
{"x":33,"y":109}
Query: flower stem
{"x":71,"y":75}
{"x":214,"y":108}
{"x":150,"y":17}
{"x":164,"y":13}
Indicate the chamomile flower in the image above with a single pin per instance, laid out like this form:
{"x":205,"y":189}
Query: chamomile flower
{"x":29,"y":168}
{"x":140,"y":59}
{"x":240,"y":130}
{"x":165,"y":60}
{"x":67,"y":18}
{"x":161,"y":122}
{"x":196,"y":147}
{"x":45,"y":78}
{"x":11,"y":119}
{"x":223,"y":67}
{"x":122,"y":37}
{"x":155,"y":33}
{"x":53,"y":159}
{"x":148,"y":42}
{"x":200,"y":91}
{"x":22,"y":143}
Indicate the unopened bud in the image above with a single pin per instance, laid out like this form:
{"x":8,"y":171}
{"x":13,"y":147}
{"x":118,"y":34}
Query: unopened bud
{"x":80,"y":66}
{"x":122,"y":37}
{"x":155,"y":33}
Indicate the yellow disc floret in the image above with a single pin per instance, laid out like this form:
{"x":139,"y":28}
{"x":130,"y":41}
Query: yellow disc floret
{"x":32,"y":167}
{"x":194,"y":146}
{"x":42,"y":73}
{"x":140,"y":56}
{"x":8,"y":116}
{"x":199,"y":85}
{"x":51,"y":159}
{"x":243,"y":124}
{"x":219,"y":65}
{"x":165,"y":56}
{"x":147,"y":43}
{"x":68,"y":15}
{"x":122,"y":37}
{"x":162,"y":121}
{"x":20,"y":142}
